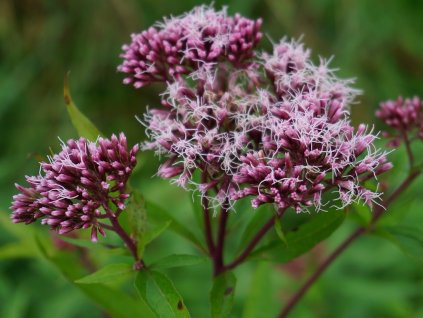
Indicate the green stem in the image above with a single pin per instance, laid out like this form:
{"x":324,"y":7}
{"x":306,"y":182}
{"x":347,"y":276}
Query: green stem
{"x":130,"y":243}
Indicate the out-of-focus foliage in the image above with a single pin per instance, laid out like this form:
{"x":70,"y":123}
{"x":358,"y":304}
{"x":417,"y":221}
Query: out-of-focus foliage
{"x":378,"y":42}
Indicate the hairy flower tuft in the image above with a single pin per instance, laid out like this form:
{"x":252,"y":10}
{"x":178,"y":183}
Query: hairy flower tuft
{"x":180,"y":45}
{"x":405,"y":116}
{"x":77,"y":184}
{"x":275,"y":127}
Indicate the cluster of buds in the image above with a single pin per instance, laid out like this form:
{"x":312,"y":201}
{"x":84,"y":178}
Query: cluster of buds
{"x":182,"y":44}
{"x":80,"y":185}
{"x":276,"y":128}
{"x":405,"y":116}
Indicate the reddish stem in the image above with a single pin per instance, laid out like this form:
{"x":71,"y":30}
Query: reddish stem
{"x":218,"y":252}
{"x":130,"y":243}
{"x":378,"y":212}
{"x":255,"y":240}
{"x":207,"y":218}
{"x":408,"y":148}
{"x":394,"y":195}
{"x":106,"y":226}
{"x":207,"y":226}
{"x":300,"y":293}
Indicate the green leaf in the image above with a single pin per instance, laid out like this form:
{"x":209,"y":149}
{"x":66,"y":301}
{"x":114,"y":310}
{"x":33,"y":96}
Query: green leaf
{"x":178,"y":260}
{"x":137,"y":213}
{"x":361,"y":213}
{"x":80,"y":122}
{"x":107,"y":274}
{"x":197,"y":210}
{"x":158,"y":215}
{"x":18,"y":303}
{"x":222,"y":295}
{"x":154,"y":233}
{"x":279,"y":231}
{"x":258,"y":302}
{"x":78,"y":242}
{"x":408,"y":239}
{"x":158,"y":291}
{"x":115,"y":302}
{"x":94,"y":247}
{"x":196,"y":202}
{"x":303,"y":238}
{"x":260,"y":216}
{"x":137,"y":219}
{"x":17,"y":230}
{"x":17,"y":250}
{"x":23,"y":244}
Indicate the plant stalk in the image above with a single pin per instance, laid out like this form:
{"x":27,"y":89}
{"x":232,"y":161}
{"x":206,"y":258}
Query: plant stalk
{"x":207,"y":218}
{"x":254,"y":241}
{"x":218,"y":252}
{"x":356,"y":234}
{"x":130,"y":243}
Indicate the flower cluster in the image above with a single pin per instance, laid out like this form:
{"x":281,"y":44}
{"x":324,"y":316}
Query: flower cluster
{"x":276,"y":128}
{"x":405,"y":116}
{"x":182,"y":44}
{"x":79,"y":185}
{"x":307,"y":156}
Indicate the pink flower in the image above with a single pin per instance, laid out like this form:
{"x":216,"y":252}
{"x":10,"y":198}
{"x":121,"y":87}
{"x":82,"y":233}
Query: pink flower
{"x":76,"y":183}
{"x":179,"y":45}
{"x":405,"y":116}
{"x":275,"y":127}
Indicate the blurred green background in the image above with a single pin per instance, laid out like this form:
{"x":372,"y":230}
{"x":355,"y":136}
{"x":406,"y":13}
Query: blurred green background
{"x":380,"y":43}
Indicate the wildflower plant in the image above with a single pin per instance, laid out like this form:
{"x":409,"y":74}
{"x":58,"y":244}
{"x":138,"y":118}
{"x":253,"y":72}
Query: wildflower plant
{"x":232,"y":123}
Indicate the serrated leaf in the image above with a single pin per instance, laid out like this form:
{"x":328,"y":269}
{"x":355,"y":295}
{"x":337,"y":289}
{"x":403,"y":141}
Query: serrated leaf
{"x":107,"y":274}
{"x":408,"y":239}
{"x":300,"y":240}
{"x":80,"y":122}
{"x":158,"y":291}
{"x":178,"y":260}
{"x":222,"y":295}
{"x":158,"y":215}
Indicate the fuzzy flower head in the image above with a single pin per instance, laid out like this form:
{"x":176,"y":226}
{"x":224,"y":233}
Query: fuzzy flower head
{"x":307,"y":156}
{"x":276,"y":128}
{"x":77,"y":184}
{"x":403,"y":115}
{"x":179,"y":45}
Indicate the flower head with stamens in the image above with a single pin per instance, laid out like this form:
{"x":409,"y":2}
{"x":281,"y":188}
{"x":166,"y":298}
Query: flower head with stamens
{"x":405,"y":116}
{"x":306,"y":156}
{"x":180,"y":45}
{"x":76,"y":185}
{"x":276,"y":127}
